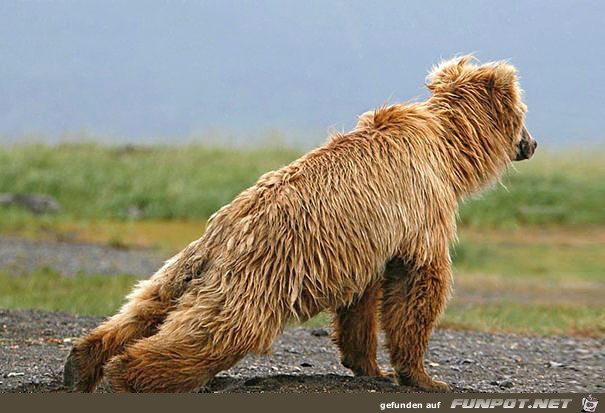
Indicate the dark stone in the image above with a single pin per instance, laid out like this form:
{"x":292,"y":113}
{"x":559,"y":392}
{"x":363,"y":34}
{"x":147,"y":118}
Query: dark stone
{"x":320,"y":332}
{"x":36,"y":203}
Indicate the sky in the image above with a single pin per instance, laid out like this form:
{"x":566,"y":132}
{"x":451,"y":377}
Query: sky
{"x":172,"y":71}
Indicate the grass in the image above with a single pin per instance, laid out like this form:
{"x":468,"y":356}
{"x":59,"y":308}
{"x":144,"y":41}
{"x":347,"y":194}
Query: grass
{"x":551,"y":189}
{"x":530,"y":259}
{"x":511,"y":317}
{"x":167,"y":236}
{"x":542,"y":254}
{"x":102,"y":295}
{"x":95,"y":182}
{"x":531,"y":281}
{"x":583,"y":320}
{"x":545,"y":282}
{"x":47,"y":290}
{"x":549,"y":282}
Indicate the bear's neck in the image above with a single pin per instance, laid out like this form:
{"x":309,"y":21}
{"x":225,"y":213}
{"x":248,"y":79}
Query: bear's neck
{"x":477,"y":154}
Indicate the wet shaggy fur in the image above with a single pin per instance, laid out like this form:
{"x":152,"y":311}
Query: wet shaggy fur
{"x":360,"y":226}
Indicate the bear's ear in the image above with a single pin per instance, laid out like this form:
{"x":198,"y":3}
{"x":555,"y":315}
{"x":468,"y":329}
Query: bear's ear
{"x":365,"y":120}
{"x":490,"y":85}
{"x":500,"y":79}
{"x":444,"y":76}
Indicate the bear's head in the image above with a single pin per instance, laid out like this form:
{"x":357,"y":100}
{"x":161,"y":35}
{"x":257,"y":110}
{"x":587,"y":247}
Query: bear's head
{"x":490,"y":96}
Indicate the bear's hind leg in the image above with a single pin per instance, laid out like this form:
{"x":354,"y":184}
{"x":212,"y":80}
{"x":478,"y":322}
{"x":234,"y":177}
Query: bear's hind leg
{"x":138,"y":318}
{"x":355,"y":332}
{"x":411,"y":304}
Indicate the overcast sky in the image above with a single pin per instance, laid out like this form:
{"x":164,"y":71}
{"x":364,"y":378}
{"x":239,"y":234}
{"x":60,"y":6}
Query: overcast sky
{"x":146,"y":71}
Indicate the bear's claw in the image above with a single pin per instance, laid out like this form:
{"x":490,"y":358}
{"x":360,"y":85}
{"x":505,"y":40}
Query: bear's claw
{"x":424,"y":382}
{"x":71,"y":372}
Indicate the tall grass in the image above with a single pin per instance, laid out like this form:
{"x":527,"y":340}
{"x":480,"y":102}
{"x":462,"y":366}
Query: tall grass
{"x":81,"y":294}
{"x":552,"y":188}
{"x":191,"y":182}
{"x":93,"y":181}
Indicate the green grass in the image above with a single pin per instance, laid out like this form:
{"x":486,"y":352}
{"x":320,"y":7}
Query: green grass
{"x":550,"y":189}
{"x":191,"y":182}
{"x":162,"y":182}
{"x":530,"y":257}
{"x":47,"y":290}
{"x":539,"y":260}
{"x":492,"y":292}
{"x":514,"y":317}
{"x":518,"y":318}
{"x":548,"y":283}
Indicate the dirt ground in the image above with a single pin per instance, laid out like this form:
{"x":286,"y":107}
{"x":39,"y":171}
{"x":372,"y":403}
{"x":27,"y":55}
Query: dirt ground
{"x":34,"y":344}
{"x":18,"y":255}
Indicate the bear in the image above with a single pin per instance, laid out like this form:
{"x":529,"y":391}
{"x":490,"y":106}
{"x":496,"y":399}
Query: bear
{"x":360,"y":227}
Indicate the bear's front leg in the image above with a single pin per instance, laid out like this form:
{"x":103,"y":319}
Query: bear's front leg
{"x":138,"y":318}
{"x":412,"y":302}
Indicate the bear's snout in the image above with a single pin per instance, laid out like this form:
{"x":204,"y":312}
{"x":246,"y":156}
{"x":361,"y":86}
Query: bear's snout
{"x":526,"y":146}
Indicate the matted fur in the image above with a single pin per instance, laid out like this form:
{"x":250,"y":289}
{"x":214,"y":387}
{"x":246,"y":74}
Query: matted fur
{"x":365,"y":220}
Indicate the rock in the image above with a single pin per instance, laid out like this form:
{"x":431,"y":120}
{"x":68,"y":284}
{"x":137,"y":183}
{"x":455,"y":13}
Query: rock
{"x":135,"y":212}
{"x":320,"y":332}
{"x":554,"y":364}
{"x":506,"y":384}
{"x":15,"y":374}
{"x":466,"y":361}
{"x":36,"y":203}
{"x":433,"y":364}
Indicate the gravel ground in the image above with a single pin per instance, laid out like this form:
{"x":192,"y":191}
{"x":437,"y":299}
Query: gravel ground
{"x":34,"y":344}
{"x":24,"y":256}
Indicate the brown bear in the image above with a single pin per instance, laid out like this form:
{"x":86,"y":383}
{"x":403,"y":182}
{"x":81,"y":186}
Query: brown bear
{"x":363,"y":222}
